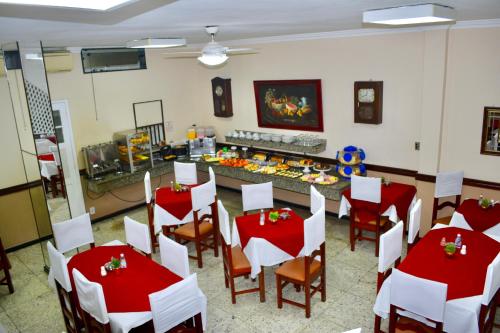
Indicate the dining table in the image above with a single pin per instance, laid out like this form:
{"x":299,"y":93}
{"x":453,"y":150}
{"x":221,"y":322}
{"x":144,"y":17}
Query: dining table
{"x":471,"y":216}
{"x":48,"y":165}
{"x":464,"y":275}
{"x":126,"y":290}
{"x":174,"y":207}
{"x":271,"y":243}
{"x":397,"y":199}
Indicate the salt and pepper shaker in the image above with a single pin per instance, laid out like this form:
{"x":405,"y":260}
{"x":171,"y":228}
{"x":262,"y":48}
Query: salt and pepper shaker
{"x":463,"y":250}
{"x":123,"y":262}
{"x":171,"y":186}
{"x":103,"y":271}
{"x":458,"y":241}
{"x":261,"y":219}
{"x":443,"y":241}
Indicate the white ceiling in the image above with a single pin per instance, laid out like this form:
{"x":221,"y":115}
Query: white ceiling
{"x":238,"y":19}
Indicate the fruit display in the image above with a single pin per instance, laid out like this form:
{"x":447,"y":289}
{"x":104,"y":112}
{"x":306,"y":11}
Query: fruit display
{"x":281,"y":166}
{"x":267,"y":170}
{"x":317,"y":178}
{"x":351,"y":162}
{"x":140,"y":139}
{"x":234,"y":162}
{"x":252,"y":167}
{"x":259,"y":156}
{"x":211,"y":159}
{"x":289,"y":174}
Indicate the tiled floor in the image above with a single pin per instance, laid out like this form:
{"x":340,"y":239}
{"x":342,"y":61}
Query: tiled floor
{"x":351,"y":280}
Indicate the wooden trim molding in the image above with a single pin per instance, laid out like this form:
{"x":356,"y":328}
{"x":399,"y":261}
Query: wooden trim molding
{"x":20,"y":187}
{"x":467,"y":181}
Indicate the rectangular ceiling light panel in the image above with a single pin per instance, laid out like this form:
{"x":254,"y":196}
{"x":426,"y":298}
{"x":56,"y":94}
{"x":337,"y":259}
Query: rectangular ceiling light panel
{"x":148,"y":43}
{"x":416,"y":14}
{"x":102,"y":5}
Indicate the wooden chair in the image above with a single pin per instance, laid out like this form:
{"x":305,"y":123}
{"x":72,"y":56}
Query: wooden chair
{"x":91,"y":299}
{"x":448,"y":184}
{"x":391,"y":245}
{"x":414,"y":225}
{"x":304,"y":271}
{"x":74,"y":233}
{"x":424,"y":298}
{"x":257,"y":196}
{"x":490,"y":298}
{"x":234,"y":260}
{"x":137,"y":236}
{"x":65,"y":293}
{"x":150,"y":209}
{"x":5,"y":266}
{"x":366,"y":192}
{"x":201,"y":231}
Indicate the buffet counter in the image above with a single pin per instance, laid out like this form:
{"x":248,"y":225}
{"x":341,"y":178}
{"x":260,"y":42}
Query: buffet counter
{"x":113,"y":181}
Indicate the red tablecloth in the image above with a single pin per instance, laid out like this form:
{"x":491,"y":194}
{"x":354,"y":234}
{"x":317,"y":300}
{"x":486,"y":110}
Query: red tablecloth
{"x":397,"y":194}
{"x":287,"y":235}
{"x":464,"y":274}
{"x":478,"y":218}
{"x":176,"y":203}
{"x":46,"y":157}
{"x":125,"y":290}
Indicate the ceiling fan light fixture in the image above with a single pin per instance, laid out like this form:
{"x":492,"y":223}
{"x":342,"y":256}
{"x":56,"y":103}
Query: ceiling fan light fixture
{"x":213,"y":59}
{"x":414,"y":14}
{"x":155,"y":43}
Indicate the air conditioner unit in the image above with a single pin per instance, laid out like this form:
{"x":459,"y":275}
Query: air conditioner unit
{"x":58,"y":61}
{"x":112,"y":59}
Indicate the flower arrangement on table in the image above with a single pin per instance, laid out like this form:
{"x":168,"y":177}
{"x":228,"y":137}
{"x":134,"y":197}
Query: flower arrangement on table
{"x":450,"y":249}
{"x":275,"y":215}
{"x":112,"y":265}
{"x":485,"y":203}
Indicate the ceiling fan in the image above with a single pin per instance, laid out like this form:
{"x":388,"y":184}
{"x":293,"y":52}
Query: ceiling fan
{"x":212,"y":54}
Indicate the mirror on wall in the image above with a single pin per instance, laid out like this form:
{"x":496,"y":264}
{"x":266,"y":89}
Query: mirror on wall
{"x":490,"y":143}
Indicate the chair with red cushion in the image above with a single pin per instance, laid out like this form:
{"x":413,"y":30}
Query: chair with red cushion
{"x":391,"y":245}
{"x":203,"y":231}
{"x":5,"y":266}
{"x":365,"y":214}
{"x":448,"y":184}
{"x":235,"y":261}
{"x":305,"y":270}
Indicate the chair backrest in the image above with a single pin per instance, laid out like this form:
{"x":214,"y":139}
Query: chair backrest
{"x":55,"y":152}
{"x":147,"y":187}
{"x":211,"y":173}
{"x":59,"y":267}
{"x":423,"y":297}
{"x":203,"y":195}
{"x":414,"y":224}
{"x":317,"y":200}
{"x":224,"y":223}
{"x":314,"y":231}
{"x":366,"y":188}
{"x":137,"y":235}
{"x":391,"y":245}
{"x":257,"y":196}
{"x":492,"y":282}
{"x":91,"y":297}
{"x":448,"y":184}
{"x":73,"y":233}
{"x":174,"y":256}
{"x":185,"y":173}
{"x":175,"y":304}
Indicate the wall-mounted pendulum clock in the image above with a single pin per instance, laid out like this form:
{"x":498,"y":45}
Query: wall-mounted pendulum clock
{"x":368,"y":102}
{"x":223,"y":103}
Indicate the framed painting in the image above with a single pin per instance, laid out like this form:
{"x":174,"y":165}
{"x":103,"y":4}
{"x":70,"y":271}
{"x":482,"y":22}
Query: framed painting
{"x":289,"y":104}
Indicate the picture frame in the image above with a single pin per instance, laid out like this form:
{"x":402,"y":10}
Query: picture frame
{"x":289,"y":104}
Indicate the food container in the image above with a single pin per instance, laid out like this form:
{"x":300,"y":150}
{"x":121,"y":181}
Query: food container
{"x":276,"y":138}
{"x":200,"y":132}
{"x":288,"y":138}
{"x":191,"y":133}
{"x":209,"y":131}
{"x":350,"y":155}
{"x":265,"y":136}
{"x":244,"y":152}
{"x":234,"y":152}
{"x":249,"y":136}
{"x":256,"y":136}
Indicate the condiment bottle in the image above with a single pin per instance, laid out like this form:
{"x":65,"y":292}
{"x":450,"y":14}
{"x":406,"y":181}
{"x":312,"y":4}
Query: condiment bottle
{"x":443,"y":241}
{"x":261,"y":219}
{"x":458,"y":241}
{"x":103,"y":271}
{"x":463,"y":250}
{"x":123,"y":262}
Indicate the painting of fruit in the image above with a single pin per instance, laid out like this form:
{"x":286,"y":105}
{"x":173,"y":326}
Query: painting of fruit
{"x":289,"y":104}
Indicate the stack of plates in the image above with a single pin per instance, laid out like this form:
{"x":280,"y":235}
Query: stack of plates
{"x":288,"y":138}
{"x":276,"y":138}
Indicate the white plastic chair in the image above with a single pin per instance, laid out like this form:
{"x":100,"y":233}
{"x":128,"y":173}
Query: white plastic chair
{"x":424,"y":298}
{"x":137,"y":235}
{"x":91,"y":297}
{"x":366,"y":188}
{"x":176,"y":304}
{"x":257,"y":196}
{"x":72,"y":234}
{"x":491,"y":286}
{"x":317,"y":200}
{"x":414,"y":224}
{"x":185,"y":173}
{"x":174,"y":256}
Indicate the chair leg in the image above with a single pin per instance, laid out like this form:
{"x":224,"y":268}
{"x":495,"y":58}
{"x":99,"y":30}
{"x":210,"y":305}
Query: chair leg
{"x":9,"y":280}
{"x":351,"y":235}
{"x":198,"y":325}
{"x":307,"y":289}
{"x":262,"y":287}
{"x":198,"y":253}
{"x":323,"y":285}
{"x":378,"y":321}
{"x":233,"y":293}
{"x":392,"y":320}
{"x":226,"y":274}
{"x":297,"y":287}
{"x":279,"y":294}
{"x":377,"y":241}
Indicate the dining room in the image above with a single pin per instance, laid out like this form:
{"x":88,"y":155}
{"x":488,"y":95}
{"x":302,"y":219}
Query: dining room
{"x":265,"y":166}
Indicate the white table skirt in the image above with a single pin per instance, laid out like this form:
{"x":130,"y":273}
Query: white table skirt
{"x":461,"y":314}
{"x":48,"y":169}
{"x":390,"y":212}
{"x":261,"y":252}
{"x":458,"y":220}
{"x":162,"y":217}
{"x":123,"y":322}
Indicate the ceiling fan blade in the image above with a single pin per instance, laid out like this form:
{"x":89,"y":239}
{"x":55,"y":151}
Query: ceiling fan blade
{"x":173,"y":55}
{"x":241,"y":51}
